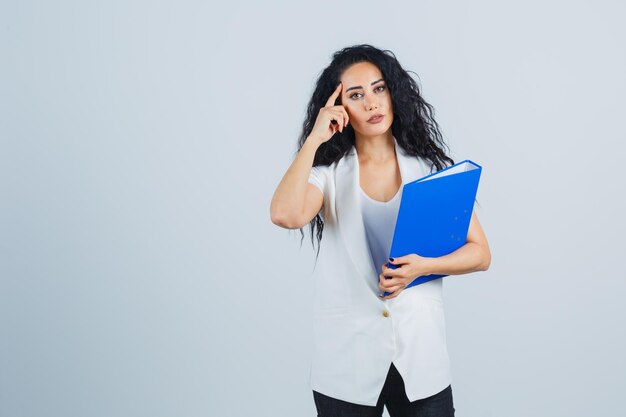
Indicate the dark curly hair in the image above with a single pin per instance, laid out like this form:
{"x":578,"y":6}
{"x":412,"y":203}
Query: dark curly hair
{"x":413,"y":124}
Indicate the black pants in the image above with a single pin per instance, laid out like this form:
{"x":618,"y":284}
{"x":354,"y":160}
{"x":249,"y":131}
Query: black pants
{"x":393,"y":397}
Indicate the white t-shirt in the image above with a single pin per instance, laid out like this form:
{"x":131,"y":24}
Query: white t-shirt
{"x":317,"y":178}
{"x":379,"y":219}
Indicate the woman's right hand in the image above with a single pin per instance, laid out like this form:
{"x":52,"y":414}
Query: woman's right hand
{"x":330,"y":118}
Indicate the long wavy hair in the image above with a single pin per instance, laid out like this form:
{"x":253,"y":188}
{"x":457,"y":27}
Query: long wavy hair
{"x":413,"y":124}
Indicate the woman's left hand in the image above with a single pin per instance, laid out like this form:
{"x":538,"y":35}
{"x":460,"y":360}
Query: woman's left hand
{"x":409,"y":267}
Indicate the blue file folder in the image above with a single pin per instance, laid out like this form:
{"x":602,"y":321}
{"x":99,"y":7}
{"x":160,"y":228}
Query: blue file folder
{"x":434,"y":214}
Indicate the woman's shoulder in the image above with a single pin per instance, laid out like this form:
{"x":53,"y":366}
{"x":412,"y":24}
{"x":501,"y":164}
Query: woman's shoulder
{"x":326,"y":168}
{"x":429,"y":167}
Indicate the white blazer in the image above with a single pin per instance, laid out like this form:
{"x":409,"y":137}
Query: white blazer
{"x":356,"y":334}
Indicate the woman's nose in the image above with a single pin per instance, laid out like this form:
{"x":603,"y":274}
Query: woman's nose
{"x":370,"y":105}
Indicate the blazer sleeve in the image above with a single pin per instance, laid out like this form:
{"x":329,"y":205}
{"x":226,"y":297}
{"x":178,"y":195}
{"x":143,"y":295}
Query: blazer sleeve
{"x":318,"y":178}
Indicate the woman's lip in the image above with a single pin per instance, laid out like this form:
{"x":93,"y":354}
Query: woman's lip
{"x":376,"y":119}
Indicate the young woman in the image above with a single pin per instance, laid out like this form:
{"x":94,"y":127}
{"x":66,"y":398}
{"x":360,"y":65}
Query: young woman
{"x":368,"y":131}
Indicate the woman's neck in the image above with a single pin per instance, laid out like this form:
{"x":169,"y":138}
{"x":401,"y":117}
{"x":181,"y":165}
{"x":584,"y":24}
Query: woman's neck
{"x":376,"y":149}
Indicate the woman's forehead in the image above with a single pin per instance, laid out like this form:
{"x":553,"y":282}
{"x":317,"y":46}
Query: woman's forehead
{"x":361,"y":72}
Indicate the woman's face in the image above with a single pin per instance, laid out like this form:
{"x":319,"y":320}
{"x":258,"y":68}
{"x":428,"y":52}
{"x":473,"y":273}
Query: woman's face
{"x":364,"y":93}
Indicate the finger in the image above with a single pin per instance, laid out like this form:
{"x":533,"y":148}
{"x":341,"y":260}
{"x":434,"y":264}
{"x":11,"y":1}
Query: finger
{"x":346,"y":117}
{"x":390,"y":279}
{"x":333,"y":96}
{"x":334,"y":126}
{"x":395,"y":290}
{"x":384,"y":267}
{"x":342,"y":110}
{"x":388,"y":283}
{"x":337,"y":118}
{"x":390,"y":289}
{"x":390,"y":272}
{"x":392,"y":295}
{"x":400,"y":260}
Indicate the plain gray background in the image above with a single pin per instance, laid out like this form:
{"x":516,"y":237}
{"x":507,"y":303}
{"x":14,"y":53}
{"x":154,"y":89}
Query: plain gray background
{"x":141,"y":144}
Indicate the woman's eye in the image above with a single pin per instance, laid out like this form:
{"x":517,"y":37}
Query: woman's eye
{"x":380,"y":88}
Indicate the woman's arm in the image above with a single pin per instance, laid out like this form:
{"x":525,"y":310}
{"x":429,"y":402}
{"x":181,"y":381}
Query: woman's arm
{"x":471,"y":257}
{"x":295,"y":200}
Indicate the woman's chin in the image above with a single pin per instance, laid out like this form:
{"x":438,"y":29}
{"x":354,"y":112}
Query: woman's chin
{"x":377,"y":129}
{"x":373,"y":129}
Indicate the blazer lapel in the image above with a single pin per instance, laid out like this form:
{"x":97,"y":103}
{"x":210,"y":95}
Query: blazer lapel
{"x":348,"y":206}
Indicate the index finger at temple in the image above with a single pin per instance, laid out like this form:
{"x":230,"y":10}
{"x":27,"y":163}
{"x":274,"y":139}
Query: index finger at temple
{"x":333,"y":96}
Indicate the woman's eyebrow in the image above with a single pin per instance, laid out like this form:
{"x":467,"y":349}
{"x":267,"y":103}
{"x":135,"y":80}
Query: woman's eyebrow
{"x":358,"y":86}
